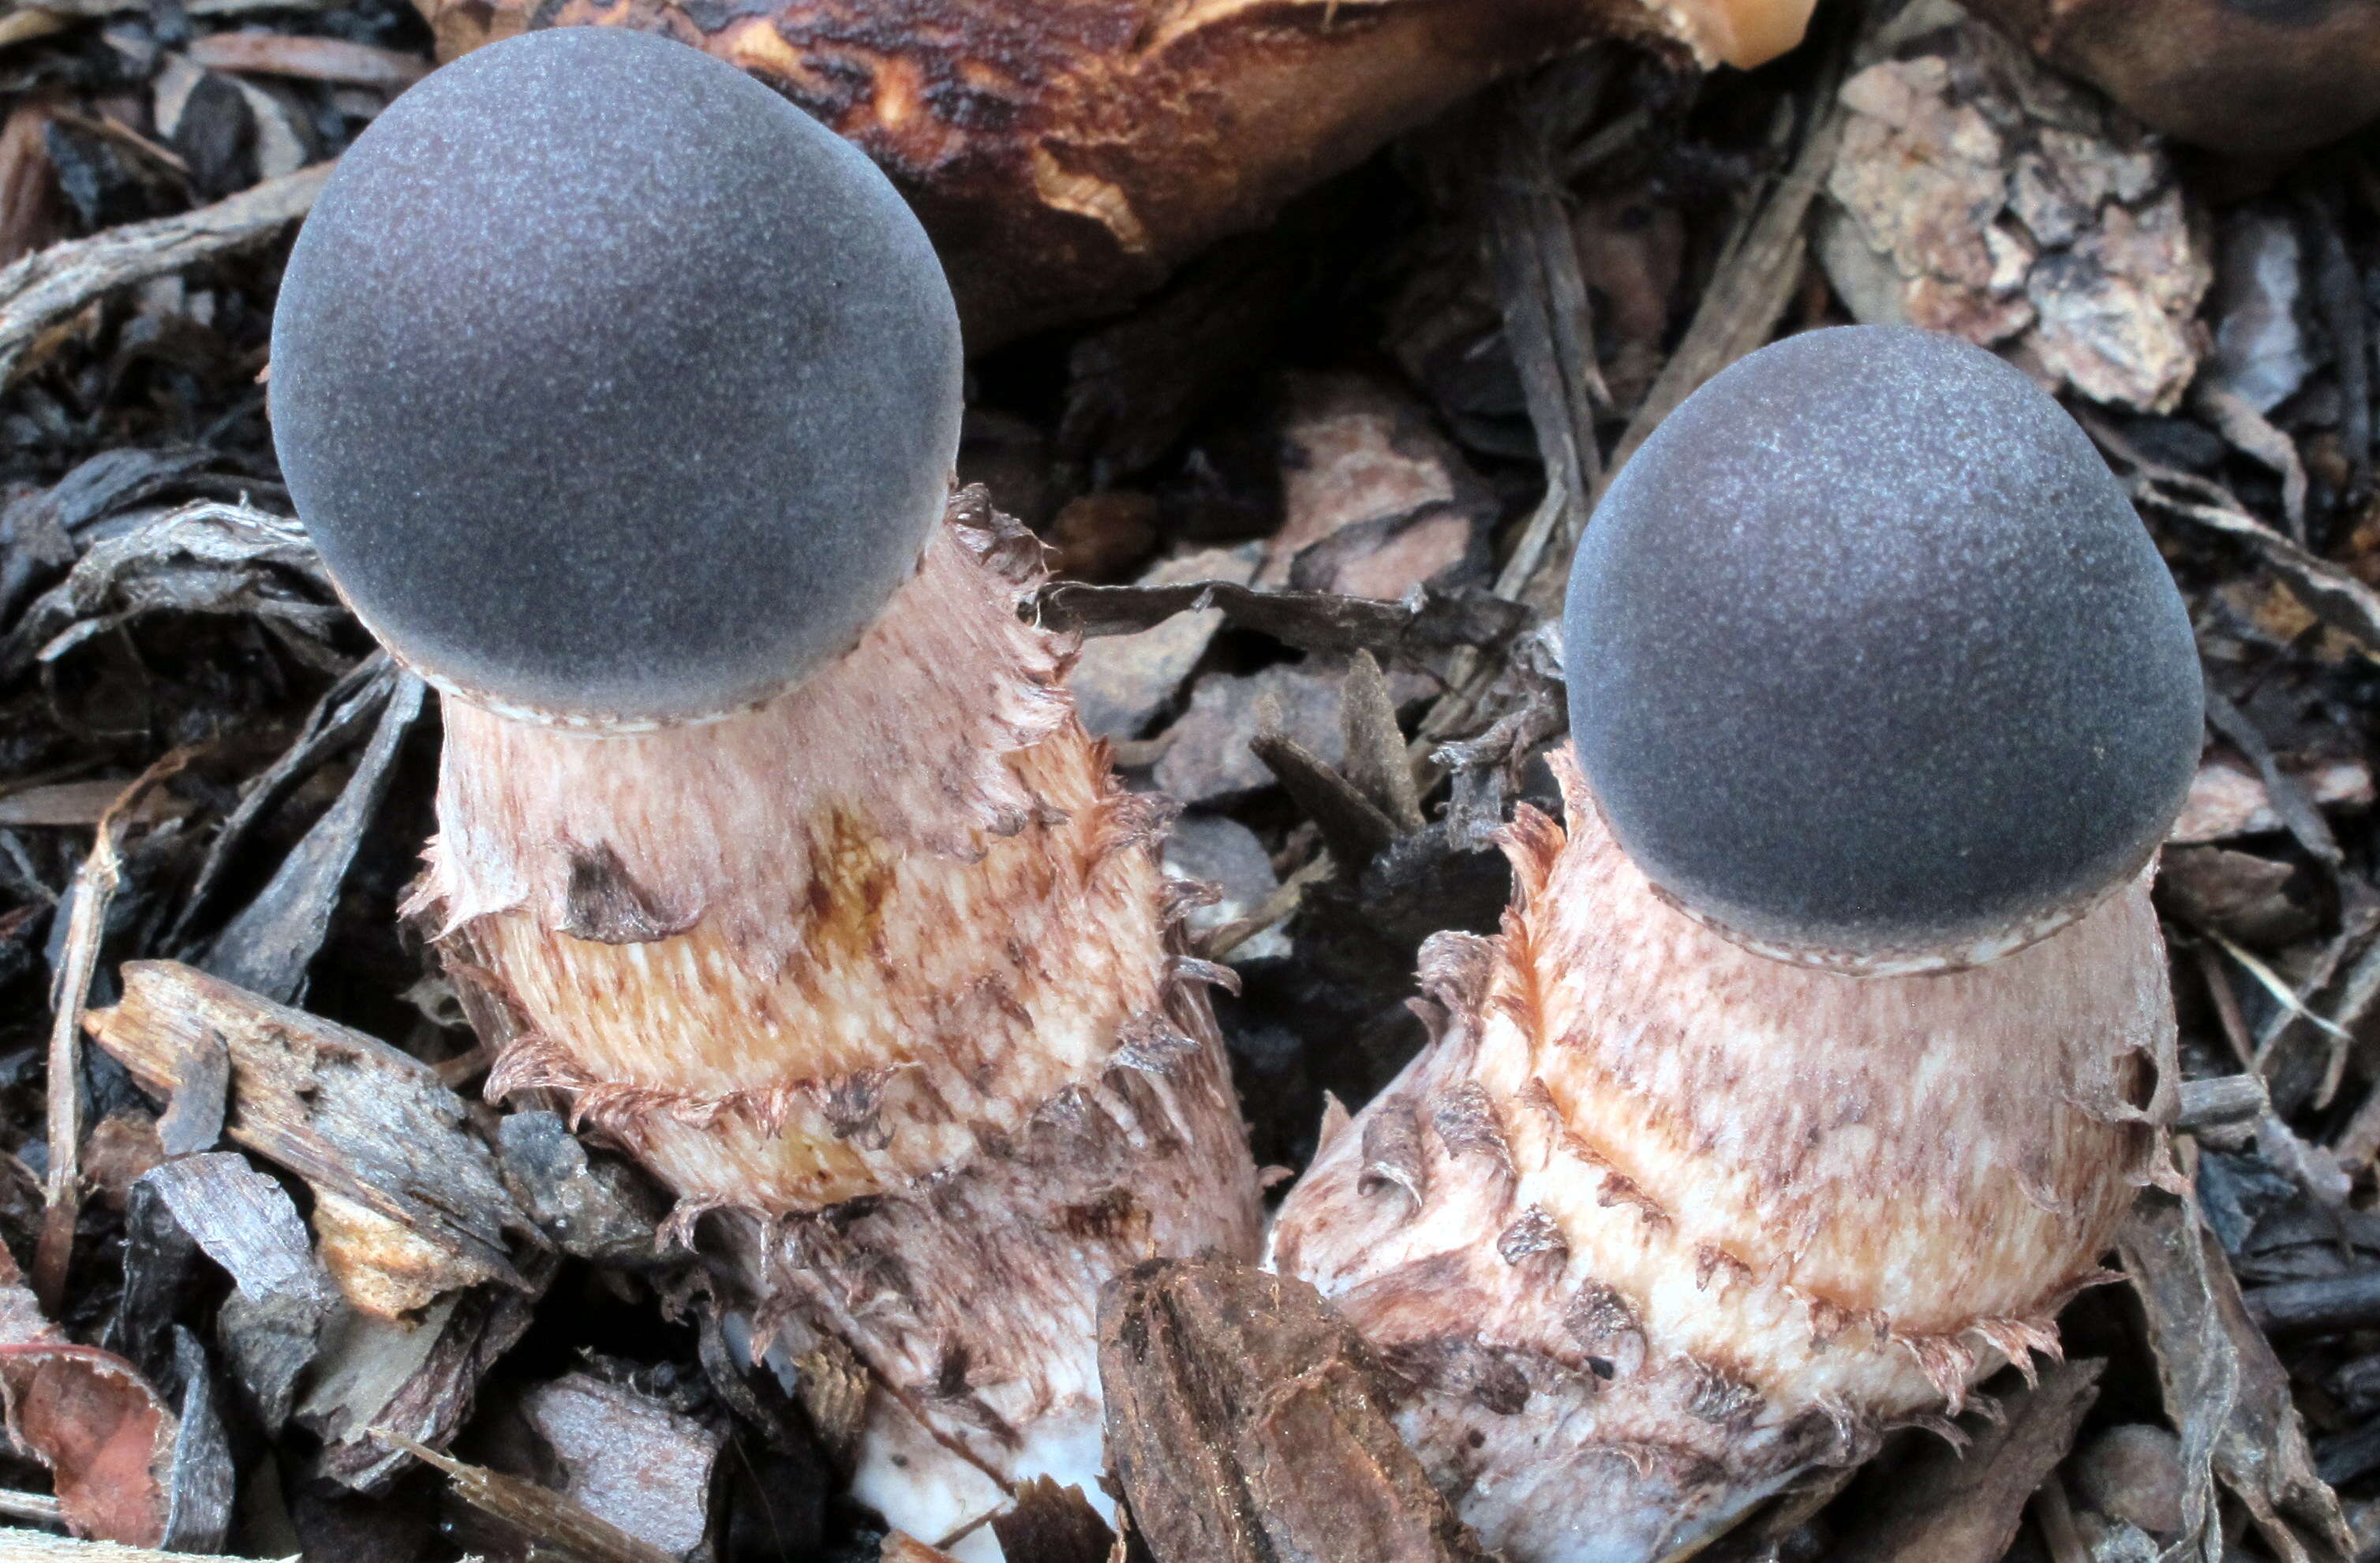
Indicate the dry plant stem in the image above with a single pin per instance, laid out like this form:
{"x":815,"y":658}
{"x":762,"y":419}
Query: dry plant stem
{"x":1783,"y":1209}
{"x":47,"y":287}
{"x":537,"y":1513}
{"x":95,"y":887}
{"x":1757,"y":272}
{"x":885,"y":974}
{"x":1067,"y":155}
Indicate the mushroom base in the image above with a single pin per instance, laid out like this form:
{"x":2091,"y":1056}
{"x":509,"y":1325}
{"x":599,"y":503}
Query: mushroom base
{"x":1655,"y":1223}
{"x":882,"y":978}
{"x":973,"y":1302}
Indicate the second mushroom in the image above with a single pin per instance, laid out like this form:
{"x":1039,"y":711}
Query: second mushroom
{"x":1824,"y":1046}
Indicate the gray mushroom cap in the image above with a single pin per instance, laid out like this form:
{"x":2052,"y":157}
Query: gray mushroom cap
{"x":613,"y":387}
{"x":1871,"y":663}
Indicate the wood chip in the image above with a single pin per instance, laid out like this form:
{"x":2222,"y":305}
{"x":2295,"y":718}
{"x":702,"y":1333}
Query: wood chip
{"x":417,"y":1379}
{"x":269,"y":947}
{"x":2226,"y":1098}
{"x":1310,"y":621}
{"x":1049,"y":1524}
{"x":545,"y":1517}
{"x":628,"y":1459}
{"x":1955,"y":1505}
{"x":410,"y":1193}
{"x":2224,"y":1388}
{"x":1248,"y":1423}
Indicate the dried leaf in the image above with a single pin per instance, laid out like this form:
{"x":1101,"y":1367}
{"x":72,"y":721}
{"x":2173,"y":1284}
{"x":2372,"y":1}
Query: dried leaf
{"x":88,"y":1416}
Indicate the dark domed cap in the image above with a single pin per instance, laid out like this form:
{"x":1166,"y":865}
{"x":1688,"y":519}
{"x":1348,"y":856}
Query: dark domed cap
{"x":1871,"y":663}
{"x":612,"y":386}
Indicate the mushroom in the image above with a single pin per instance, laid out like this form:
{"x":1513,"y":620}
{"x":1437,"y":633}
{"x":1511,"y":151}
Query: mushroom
{"x":622,"y":398}
{"x":1068,"y":154}
{"x":1823,"y":1047}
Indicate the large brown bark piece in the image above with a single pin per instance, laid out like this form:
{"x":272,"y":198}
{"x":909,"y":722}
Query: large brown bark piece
{"x":1066,"y":154}
{"x":2239,"y":76}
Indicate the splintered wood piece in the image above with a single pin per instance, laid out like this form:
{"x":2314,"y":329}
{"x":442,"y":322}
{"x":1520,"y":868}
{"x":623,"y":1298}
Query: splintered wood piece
{"x":2227,"y":1394}
{"x":407,"y":1202}
{"x":1249,"y":1423}
{"x":1052,"y":1524}
{"x":37,"y":1547}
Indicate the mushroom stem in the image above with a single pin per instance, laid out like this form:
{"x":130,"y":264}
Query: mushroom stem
{"x":1656,"y":1222}
{"x":883,"y":973}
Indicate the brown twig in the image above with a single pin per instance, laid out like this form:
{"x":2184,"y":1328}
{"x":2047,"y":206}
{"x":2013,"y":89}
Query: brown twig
{"x":544,"y":1517}
{"x":2055,"y":1517}
{"x":2227,"y":1005}
{"x":2223,"y":1099}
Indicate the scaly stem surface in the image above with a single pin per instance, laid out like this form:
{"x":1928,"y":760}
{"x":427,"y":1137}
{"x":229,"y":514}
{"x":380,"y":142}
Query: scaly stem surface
{"x":1655,"y":1222}
{"x":882,"y":977}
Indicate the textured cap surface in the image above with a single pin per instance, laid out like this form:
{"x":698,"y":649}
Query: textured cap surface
{"x":1871,"y":662}
{"x":609,"y":384}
